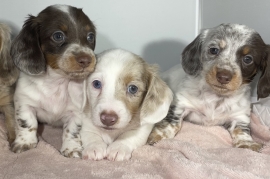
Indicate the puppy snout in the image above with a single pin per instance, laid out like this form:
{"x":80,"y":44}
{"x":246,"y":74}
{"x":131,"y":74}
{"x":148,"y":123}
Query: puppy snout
{"x":223,"y":76}
{"x":108,"y":118}
{"x":83,"y":61}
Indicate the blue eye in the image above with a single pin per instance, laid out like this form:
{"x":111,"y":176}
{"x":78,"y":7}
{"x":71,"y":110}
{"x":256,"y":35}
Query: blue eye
{"x":96,"y":84}
{"x":132,"y":89}
{"x":91,"y":37}
{"x":58,"y":36}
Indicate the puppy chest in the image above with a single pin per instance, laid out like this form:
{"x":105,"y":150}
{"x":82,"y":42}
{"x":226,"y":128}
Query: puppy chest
{"x":214,"y":111}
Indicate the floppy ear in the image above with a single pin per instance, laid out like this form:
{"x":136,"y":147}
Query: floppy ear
{"x":157,"y":100}
{"x":191,"y":55}
{"x":26,"y":51}
{"x":9,"y":72}
{"x":263,"y":87}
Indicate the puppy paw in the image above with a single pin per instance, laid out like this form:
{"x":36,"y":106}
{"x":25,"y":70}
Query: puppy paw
{"x":95,"y":151}
{"x":17,"y":147}
{"x":154,"y":138}
{"x":118,"y":152}
{"x":249,"y":145}
{"x":72,"y":153}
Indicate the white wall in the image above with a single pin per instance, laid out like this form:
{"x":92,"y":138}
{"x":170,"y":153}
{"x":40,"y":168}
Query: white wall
{"x":157,"y":30}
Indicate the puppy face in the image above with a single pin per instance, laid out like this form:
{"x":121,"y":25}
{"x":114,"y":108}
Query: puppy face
{"x":228,"y":56}
{"x":61,"y":37}
{"x":124,"y":88}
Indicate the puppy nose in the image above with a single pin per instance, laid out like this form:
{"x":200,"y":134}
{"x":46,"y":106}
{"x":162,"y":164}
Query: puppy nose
{"x":83,"y":61}
{"x":223,"y":76}
{"x":108,"y":118}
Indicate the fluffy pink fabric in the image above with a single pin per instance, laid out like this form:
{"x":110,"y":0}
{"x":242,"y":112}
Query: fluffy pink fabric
{"x":196,"y":152}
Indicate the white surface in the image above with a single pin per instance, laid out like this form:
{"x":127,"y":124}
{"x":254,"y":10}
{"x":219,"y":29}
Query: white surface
{"x":157,"y":30}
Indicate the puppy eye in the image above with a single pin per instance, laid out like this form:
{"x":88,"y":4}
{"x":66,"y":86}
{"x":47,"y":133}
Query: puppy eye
{"x":132,"y":89}
{"x":213,"y":51}
{"x":97,"y":84}
{"x":58,"y":36}
{"x":91,"y":37}
{"x":247,"y":59}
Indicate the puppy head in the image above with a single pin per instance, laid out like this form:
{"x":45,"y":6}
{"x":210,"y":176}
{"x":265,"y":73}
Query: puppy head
{"x":61,"y":37}
{"x":228,"y":56}
{"x":9,"y":72}
{"x":123,"y":88}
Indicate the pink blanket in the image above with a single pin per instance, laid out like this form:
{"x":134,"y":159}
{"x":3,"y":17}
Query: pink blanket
{"x":196,"y":152}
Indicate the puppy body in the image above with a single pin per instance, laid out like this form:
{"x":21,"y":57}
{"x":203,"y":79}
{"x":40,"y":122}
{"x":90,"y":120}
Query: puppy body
{"x":219,"y":64}
{"x":54,"y":55}
{"x":8,"y":76}
{"x":125,"y":97}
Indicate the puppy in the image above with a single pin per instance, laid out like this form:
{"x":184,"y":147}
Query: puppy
{"x":54,"y":52}
{"x":219,"y":64}
{"x":8,"y":76}
{"x":125,"y":97}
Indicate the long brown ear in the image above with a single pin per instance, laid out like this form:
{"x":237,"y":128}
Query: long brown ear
{"x":191,"y":55}
{"x":26,"y":51}
{"x":157,"y":100}
{"x":263,"y":87}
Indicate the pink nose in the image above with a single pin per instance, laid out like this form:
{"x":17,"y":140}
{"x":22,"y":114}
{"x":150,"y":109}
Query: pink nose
{"x":108,"y":118}
{"x":83,"y":61}
{"x":223,"y":76}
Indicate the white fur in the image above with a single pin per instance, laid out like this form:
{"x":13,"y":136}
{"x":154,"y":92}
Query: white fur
{"x":48,"y":99}
{"x":125,"y":136}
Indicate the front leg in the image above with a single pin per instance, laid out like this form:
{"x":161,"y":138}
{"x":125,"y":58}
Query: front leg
{"x":168,"y":127}
{"x":8,"y":111}
{"x":241,"y":137}
{"x":94,"y":146}
{"x":72,"y":144}
{"x":122,"y":148}
{"x":26,"y":128}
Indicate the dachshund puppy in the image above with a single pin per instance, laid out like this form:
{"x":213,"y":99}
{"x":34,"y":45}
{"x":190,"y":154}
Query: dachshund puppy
{"x":54,"y":52}
{"x":219,"y":64}
{"x":8,"y":76}
{"x":125,"y":97}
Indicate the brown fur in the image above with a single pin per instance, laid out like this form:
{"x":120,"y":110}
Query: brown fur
{"x":8,"y":77}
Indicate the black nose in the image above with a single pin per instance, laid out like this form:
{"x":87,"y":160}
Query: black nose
{"x":223,"y":76}
{"x":108,"y":118}
{"x":83,"y":61}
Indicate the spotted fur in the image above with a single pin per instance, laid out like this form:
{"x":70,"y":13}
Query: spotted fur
{"x":219,"y":64}
{"x":54,"y":52}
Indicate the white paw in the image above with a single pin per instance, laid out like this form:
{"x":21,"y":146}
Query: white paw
{"x":72,"y":147}
{"x":23,"y":144}
{"x":95,"y":151}
{"x":118,"y":152}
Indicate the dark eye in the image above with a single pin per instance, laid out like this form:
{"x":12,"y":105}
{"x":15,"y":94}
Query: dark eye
{"x":96,"y":84}
{"x":247,"y":59}
{"x":58,"y":36}
{"x":91,"y":37}
{"x":214,"y":51}
{"x":132,"y":89}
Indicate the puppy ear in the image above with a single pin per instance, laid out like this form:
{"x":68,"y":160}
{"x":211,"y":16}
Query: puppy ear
{"x":9,"y":72}
{"x":191,"y":55}
{"x":157,"y":100}
{"x":263,"y":87}
{"x":26,"y":51}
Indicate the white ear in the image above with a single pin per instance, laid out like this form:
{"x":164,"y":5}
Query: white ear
{"x":157,"y":100}
{"x":77,"y":92}
{"x":159,"y":114}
